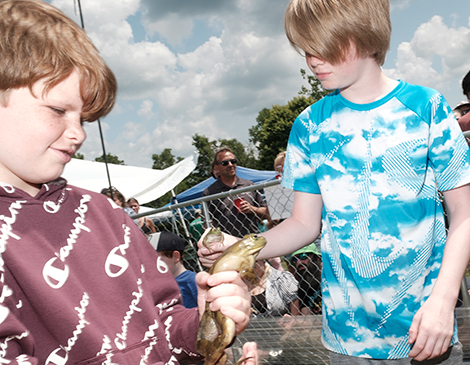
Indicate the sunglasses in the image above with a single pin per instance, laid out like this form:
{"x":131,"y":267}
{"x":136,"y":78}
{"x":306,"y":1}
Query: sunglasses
{"x":302,"y":256}
{"x":226,"y":162}
{"x":463,"y":112}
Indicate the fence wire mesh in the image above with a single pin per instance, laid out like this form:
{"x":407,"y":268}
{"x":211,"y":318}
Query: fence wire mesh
{"x":286,"y":303}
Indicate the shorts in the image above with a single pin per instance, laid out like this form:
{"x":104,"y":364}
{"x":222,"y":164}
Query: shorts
{"x":453,"y":356}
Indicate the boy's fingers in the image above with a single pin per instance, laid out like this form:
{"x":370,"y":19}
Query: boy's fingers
{"x":240,"y":317}
{"x":225,"y":277}
{"x":413,"y":332}
{"x":250,"y":350}
{"x":207,"y":259}
{"x":201,"y":279}
{"x":428,"y":341}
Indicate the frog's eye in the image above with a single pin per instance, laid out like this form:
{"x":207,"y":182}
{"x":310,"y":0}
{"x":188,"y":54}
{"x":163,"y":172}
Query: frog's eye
{"x":255,"y":236}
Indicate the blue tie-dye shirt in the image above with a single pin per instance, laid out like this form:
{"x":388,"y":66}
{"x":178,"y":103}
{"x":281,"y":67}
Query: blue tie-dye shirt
{"x":378,"y":168}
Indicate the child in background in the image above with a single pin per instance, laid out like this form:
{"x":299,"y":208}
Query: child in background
{"x":78,"y":280}
{"x":369,"y":159}
{"x":171,"y":249}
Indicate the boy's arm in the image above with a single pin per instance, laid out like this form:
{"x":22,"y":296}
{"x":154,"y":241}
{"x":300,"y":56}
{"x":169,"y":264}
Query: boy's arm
{"x":433,"y":325}
{"x":297,"y":231}
{"x":300,"y":229}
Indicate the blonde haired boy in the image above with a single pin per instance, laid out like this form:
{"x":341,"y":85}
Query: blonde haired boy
{"x":79,"y":282}
{"x":368,"y":160}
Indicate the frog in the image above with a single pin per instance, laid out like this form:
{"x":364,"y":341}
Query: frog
{"x":216,"y":331}
{"x":214,"y":235}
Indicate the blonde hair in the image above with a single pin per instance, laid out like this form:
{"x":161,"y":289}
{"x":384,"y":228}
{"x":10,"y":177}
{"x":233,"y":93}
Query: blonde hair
{"x":37,"y":41}
{"x":326,"y":28}
{"x":281,"y":156}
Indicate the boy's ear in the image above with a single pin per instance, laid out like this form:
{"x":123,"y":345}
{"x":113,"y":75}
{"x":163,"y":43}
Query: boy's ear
{"x":176,"y":256}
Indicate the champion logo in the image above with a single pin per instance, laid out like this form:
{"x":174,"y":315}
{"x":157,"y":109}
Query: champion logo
{"x":8,"y":188}
{"x":60,"y":355}
{"x":120,"y":340}
{"x":116,"y":264}
{"x":51,"y":207}
{"x":161,"y":265}
{"x":55,"y":273}
{"x":57,"y":357}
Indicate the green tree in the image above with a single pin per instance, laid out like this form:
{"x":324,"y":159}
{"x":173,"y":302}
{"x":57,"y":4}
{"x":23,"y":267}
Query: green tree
{"x":316,"y":91}
{"x":206,"y":150}
{"x":271,"y":131}
{"x":164,"y":160}
{"x":245,"y":155}
{"x":78,"y":156}
{"x":113,"y":159}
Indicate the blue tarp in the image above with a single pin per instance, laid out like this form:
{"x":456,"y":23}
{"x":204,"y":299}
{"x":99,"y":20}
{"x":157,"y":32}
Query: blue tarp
{"x":256,"y":176}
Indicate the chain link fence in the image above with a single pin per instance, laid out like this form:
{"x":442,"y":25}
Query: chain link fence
{"x":286,"y":302}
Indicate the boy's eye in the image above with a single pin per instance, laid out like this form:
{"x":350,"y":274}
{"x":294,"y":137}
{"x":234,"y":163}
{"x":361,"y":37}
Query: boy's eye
{"x":58,"y":110}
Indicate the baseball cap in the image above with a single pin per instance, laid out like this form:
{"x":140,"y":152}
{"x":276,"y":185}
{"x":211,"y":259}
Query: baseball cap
{"x":311,"y":248}
{"x":166,"y":241}
{"x":461,"y":104}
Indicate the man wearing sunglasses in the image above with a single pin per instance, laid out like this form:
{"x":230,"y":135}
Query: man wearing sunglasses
{"x":237,"y":215}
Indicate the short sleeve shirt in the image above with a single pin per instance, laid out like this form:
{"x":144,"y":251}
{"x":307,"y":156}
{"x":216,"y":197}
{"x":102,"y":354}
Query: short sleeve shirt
{"x":378,"y":168}
{"x":226,"y":215}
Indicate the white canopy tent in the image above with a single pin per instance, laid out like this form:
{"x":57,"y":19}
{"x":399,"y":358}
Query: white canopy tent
{"x":133,"y":182}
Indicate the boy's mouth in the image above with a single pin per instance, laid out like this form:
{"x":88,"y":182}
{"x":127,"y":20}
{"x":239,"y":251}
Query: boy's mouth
{"x":67,"y":154}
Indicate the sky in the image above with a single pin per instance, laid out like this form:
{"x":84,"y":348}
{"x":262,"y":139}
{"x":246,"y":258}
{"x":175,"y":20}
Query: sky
{"x":210,"y":66}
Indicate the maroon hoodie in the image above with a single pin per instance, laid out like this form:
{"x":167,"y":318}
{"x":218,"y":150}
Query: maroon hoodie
{"x":80,"y":284}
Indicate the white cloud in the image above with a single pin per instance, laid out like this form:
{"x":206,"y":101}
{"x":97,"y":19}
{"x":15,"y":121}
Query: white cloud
{"x":173,"y":28}
{"x":146,"y":109}
{"x":215,"y":84}
{"x":436,"y":55}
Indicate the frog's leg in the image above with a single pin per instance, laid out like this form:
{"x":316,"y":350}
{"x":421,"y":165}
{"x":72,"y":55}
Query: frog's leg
{"x":226,"y":328}
{"x":248,"y":274}
{"x":207,"y":332}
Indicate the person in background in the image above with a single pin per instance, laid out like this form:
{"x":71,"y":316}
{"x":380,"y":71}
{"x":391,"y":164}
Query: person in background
{"x":279,"y":164}
{"x":196,"y":227}
{"x":238,"y":215}
{"x":461,"y":110}
{"x":306,"y":266}
{"x":462,"y":114}
{"x":275,"y":291}
{"x":146,"y":224}
{"x":171,"y":249}
{"x":118,"y":198}
{"x":466,"y":85}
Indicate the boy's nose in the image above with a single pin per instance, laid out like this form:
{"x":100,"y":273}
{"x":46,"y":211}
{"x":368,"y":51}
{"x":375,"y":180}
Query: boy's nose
{"x":75,"y":132}
{"x":313,"y":61}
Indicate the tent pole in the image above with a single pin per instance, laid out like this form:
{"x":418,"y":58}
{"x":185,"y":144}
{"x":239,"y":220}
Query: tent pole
{"x":186,"y":232}
{"x":99,"y":121}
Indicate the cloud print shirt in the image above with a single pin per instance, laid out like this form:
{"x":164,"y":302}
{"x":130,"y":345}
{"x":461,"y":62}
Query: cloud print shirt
{"x":378,"y":168}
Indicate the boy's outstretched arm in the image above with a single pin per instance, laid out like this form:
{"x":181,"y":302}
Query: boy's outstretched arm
{"x":228,"y":293}
{"x":300,"y":229}
{"x":433,"y":325}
